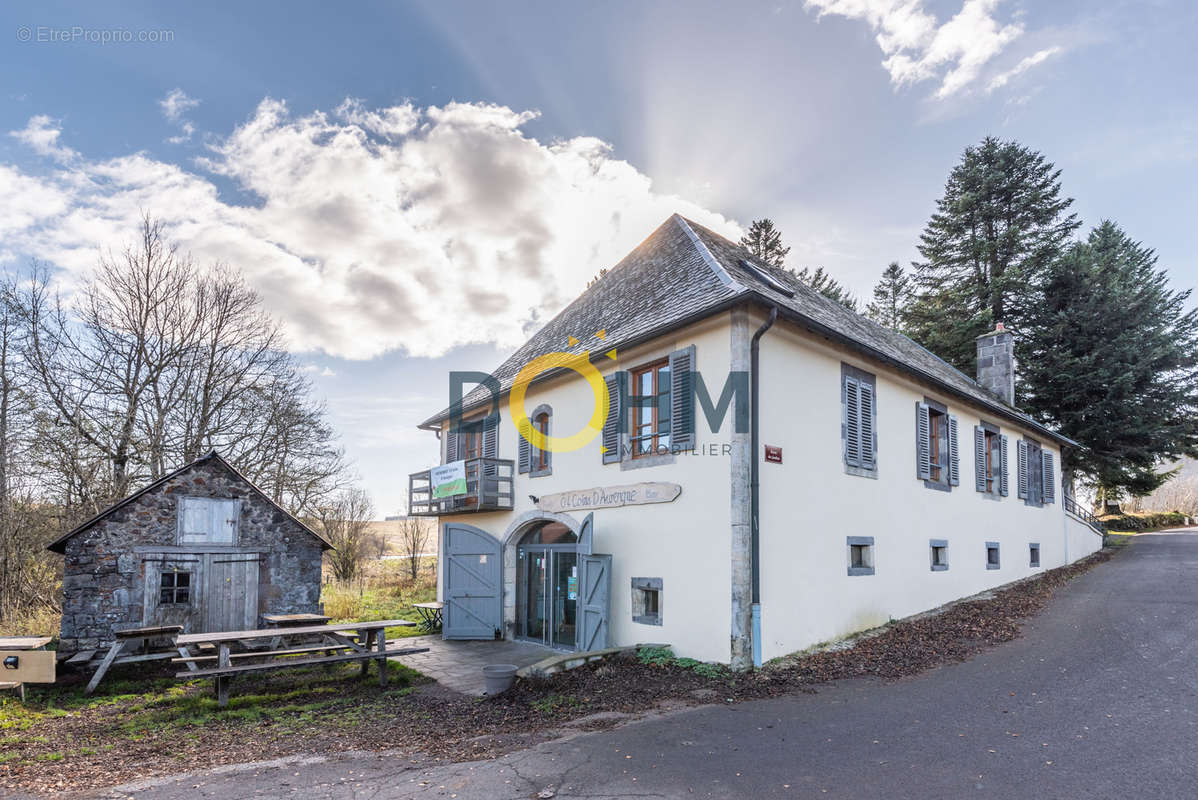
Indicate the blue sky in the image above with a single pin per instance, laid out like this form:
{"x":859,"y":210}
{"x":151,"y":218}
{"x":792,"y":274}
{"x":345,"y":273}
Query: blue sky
{"x":412,"y":186}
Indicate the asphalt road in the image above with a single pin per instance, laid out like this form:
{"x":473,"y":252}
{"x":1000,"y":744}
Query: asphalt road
{"x":1099,"y":699}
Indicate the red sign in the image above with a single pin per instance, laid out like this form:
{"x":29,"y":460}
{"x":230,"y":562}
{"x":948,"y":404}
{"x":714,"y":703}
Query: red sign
{"x":773,"y":454}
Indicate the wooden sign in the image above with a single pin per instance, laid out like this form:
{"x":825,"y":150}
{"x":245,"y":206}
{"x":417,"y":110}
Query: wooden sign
{"x":773,"y":454}
{"x":27,"y":666}
{"x":634,"y":494}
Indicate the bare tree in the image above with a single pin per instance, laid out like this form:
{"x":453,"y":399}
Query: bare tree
{"x":414,"y":536}
{"x":345,"y":523}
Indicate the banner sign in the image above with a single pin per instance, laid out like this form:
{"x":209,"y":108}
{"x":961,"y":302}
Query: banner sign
{"x":448,"y":480}
{"x":635,"y":494}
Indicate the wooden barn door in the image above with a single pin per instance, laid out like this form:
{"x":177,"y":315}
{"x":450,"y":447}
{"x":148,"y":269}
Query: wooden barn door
{"x":230,"y":592}
{"x":473,"y":584}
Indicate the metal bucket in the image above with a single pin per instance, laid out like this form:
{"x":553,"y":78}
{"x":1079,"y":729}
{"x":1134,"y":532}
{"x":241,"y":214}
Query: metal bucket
{"x":498,"y":678}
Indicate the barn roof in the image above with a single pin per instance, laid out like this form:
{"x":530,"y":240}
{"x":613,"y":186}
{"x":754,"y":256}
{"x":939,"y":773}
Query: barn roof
{"x":59,"y":545}
{"x":684,"y":272}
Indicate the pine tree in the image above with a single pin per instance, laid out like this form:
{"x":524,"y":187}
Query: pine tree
{"x":1113,"y":363}
{"x":825,"y":284}
{"x":764,"y":241}
{"x":1001,"y":220}
{"x":892,"y":296}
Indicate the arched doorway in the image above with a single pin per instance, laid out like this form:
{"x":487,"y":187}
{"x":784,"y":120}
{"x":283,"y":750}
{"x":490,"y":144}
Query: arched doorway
{"x":547,"y":585}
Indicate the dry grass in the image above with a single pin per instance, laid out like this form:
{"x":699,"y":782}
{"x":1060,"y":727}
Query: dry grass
{"x":386,"y":592}
{"x":42,"y":621}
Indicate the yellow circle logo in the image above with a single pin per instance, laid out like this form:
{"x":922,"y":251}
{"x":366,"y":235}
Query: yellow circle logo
{"x":580,"y":363}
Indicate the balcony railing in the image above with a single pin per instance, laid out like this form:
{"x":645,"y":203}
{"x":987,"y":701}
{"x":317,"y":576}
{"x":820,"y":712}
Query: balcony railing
{"x":1072,"y":506}
{"x":488,"y":488}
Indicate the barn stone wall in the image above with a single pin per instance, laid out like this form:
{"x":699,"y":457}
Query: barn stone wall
{"x":104,"y":574}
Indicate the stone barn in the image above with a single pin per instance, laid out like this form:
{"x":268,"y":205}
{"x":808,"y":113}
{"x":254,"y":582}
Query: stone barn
{"x":202,"y":548}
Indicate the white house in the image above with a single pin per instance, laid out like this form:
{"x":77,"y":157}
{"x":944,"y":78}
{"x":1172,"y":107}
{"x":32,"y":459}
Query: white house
{"x":885,"y":482}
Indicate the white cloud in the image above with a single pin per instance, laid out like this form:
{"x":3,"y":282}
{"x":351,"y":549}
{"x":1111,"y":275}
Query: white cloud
{"x":174,"y":107}
{"x":371,"y":229}
{"x":1003,"y":78}
{"x":41,"y":134}
{"x":917,"y":47}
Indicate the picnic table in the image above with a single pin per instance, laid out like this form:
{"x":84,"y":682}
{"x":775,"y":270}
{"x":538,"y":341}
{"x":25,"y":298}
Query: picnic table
{"x":294,"y":620}
{"x":430,"y":615}
{"x":368,"y":642}
{"x":126,"y":642}
{"x":41,"y":670}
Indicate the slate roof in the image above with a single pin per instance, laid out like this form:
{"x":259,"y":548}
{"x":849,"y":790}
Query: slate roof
{"x":59,"y":545}
{"x":684,"y":272}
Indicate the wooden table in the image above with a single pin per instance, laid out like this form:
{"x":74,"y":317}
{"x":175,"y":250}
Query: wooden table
{"x":34,"y":664}
{"x":294,"y":620}
{"x":370,"y":643}
{"x":430,"y":615}
{"x":127,"y":639}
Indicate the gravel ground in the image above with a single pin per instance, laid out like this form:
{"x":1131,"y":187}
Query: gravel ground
{"x":95,"y":747}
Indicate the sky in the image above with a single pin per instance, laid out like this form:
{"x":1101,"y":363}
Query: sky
{"x":416,"y":187}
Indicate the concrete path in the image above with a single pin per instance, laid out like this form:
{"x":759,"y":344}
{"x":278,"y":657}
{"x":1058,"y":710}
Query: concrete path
{"x":459,"y":665}
{"x":1098,"y":700}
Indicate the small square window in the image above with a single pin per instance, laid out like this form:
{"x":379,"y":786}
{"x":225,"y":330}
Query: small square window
{"x":174,"y":588}
{"x":1035,"y":554}
{"x":646,"y":601}
{"x":939,"y":553}
{"x":861,"y":555}
{"x":992,"y":561}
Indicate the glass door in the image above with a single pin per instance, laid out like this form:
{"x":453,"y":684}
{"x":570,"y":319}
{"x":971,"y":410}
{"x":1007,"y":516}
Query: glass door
{"x":548,"y":598}
{"x":534,"y":592}
{"x":565,"y":598}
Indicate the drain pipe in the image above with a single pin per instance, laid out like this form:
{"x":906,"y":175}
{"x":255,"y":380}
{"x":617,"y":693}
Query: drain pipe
{"x":755,"y":480}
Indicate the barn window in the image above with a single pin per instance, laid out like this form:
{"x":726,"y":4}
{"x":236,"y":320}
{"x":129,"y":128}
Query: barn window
{"x":208,"y":520}
{"x":175,"y":588}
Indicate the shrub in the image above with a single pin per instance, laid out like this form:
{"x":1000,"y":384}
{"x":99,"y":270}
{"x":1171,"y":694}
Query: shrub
{"x":1150,"y":521}
{"x":655,"y":656}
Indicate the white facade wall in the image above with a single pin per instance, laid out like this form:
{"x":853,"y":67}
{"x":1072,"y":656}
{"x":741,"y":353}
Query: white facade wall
{"x":809,"y":505}
{"x":686,"y":543}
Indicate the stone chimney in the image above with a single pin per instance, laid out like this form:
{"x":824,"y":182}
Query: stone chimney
{"x":996,"y":363}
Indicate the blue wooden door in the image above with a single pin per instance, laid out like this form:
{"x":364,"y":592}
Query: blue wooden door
{"x":473,"y":584}
{"x":594,"y":602}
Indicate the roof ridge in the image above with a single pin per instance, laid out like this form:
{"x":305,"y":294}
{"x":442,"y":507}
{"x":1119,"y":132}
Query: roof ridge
{"x":708,"y":257}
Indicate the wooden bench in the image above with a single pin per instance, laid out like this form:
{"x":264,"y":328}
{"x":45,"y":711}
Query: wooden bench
{"x":128,"y":639}
{"x":368,"y":642}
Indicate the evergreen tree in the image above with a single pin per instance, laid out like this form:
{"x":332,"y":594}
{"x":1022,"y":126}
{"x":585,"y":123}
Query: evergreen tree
{"x":764,"y":241}
{"x":1113,"y":363}
{"x":1001,"y":220}
{"x":892,"y":296}
{"x":825,"y":284}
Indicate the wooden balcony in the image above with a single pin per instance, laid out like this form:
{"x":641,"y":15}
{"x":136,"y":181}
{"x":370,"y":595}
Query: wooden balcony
{"x":488,"y":488}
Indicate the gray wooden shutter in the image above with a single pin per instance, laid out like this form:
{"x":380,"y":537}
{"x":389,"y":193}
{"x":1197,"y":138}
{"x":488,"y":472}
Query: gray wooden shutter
{"x":1004,"y":482}
{"x":1021,"y":451}
{"x":1049,"y":481}
{"x":869,"y":444}
{"x":451,"y":447}
{"x":923,"y":442}
{"x":523,"y":447}
{"x":979,"y":458}
{"x":954,"y":454}
{"x":682,"y":399}
{"x":491,"y":442}
{"x":612,"y":433}
{"x":852,"y":422}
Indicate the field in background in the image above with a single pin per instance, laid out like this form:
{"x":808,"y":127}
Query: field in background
{"x":386,"y":590}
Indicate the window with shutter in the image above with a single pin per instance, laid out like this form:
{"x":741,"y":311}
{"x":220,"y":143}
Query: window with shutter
{"x":451,"y":446}
{"x":981,"y":460}
{"x":1049,"y":478}
{"x":613,"y":440}
{"x":682,"y":399}
{"x":650,"y":401}
{"x":936,"y":446}
{"x":1003,"y":481}
{"x":523,"y":446}
{"x":1021,"y":458}
{"x":1031,"y":472}
{"x":989,"y":460}
{"x":954,"y":456}
{"x":540,"y":460}
{"x":208,"y":520}
{"x":858,"y":428}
